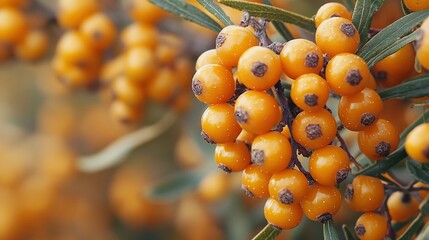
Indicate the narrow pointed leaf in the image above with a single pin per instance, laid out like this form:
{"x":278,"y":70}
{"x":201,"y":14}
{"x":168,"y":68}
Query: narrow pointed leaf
{"x":217,"y":11}
{"x":272,"y":13}
{"x":419,"y":170}
{"x":280,"y":27}
{"x":188,"y":12}
{"x":413,"y":228}
{"x":329,"y":231}
{"x":268,"y":233}
{"x":414,"y":88}
{"x":362,"y":16}
{"x":348,"y":233}
{"x":350,"y":5}
{"x":389,"y":35}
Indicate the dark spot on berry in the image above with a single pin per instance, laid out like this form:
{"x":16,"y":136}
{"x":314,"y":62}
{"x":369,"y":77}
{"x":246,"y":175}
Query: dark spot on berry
{"x":380,"y":75}
{"x":241,"y":115}
{"x":313,"y":131}
{"x":258,"y":156}
{"x":259,"y":69}
{"x":207,"y":138}
{"x":367,"y":119}
{"x":348,"y":29}
{"x":224,"y":168}
{"x":353,"y":77}
{"x":342,"y":175}
{"x":97,"y":35}
{"x":360,"y":230}
{"x":311,"y":60}
{"x":382,"y":149}
{"x":348,"y":192}
{"x":247,"y":191}
{"x":406,"y":198}
{"x":335,"y":15}
{"x":220,"y":39}
{"x":311,"y":99}
{"x":286,"y":196}
{"x":197,"y":87}
{"x":426,"y":152}
{"x":323,"y":218}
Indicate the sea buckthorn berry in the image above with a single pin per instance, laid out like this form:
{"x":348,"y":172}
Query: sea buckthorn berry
{"x":246,"y":137}
{"x":214,"y":186}
{"x":256,"y":112}
{"x":286,"y":132}
{"x":99,"y":30}
{"x":168,"y":49}
{"x":259,"y":68}
{"x":330,"y":10}
{"x":75,"y":49}
{"x":329,"y":165}
{"x":13,"y":26}
{"x":255,"y":181}
{"x":347,"y":74}
{"x":125,"y":113}
{"x":422,"y":47}
{"x":73,"y":76}
{"x":321,"y":202}
{"x":417,"y":143}
{"x":288,"y":186}
{"x":33,"y":46}
{"x":416,"y":5}
{"x":219,"y":125}
{"x":371,"y":83}
{"x":364,"y":194}
{"x":231,"y":42}
{"x":207,"y":57}
{"x":232,"y":157}
{"x":71,"y":13}
{"x":402,"y":206}
{"x":213,"y":84}
{"x":310,"y":92}
{"x":378,"y":140}
{"x":360,"y":110}
{"x":137,"y":34}
{"x":145,"y":12}
{"x":371,"y":226}
{"x":422,"y":193}
{"x":164,"y":87}
{"x":13,"y":3}
{"x":271,"y":151}
{"x":393,"y":69}
{"x":337,"y":35}
{"x":283,"y":216}
{"x":300,"y":56}
{"x":314,"y":129}
{"x":128,"y":91}
{"x":140,"y":65}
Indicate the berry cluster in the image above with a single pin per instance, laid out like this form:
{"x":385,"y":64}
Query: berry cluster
{"x":260,"y":131}
{"x":19,"y":36}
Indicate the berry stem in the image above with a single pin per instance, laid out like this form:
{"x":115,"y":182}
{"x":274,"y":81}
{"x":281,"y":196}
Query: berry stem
{"x":345,"y":148}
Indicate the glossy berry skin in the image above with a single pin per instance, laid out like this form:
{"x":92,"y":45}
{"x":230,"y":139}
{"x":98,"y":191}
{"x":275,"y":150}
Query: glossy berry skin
{"x":329,"y":165}
{"x":259,"y":68}
{"x":288,"y":186}
{"x":233,"y":41}
{"x":13,"y":26}
{"x":219,"y":125}
{"x":422,"y":46}
{"x":207,"y":57}
{"x":255,"y":181}
{"x":140,"y":65}
{"x":213,"y":84}
{"x":246,"y":137}
{"x":310,"y":92}
{"x":330,"y":10}
{"x":72,"y":13}
{"x":402,"y":206}
{"x":144,"y":11}
{"x":416,"y":5}
{"x":99,"y":30}
{"x":128,"y":91}
{"x":314,"y":129}
{"x":417,"y":143}
{"x":163,"y":87}
{"x":371,"y":226}
{"x":360,"y":110}
{"x":256,"y":112}
{"x":33,"y":47}
{"x":283,"y":216}
{"x":321,"y":202}
{"x":337,"y":35}
{"x":271,"y":152}
{"x":301,"y":56}
{"x":347,"y":74}
{"x":232,"y":157}
{"x":364,"y":194}
{"x":378,"y":140}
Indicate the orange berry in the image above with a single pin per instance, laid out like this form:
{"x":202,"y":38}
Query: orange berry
{"x":99,"y":30}
{"x":330,"y":10}
{"x":321,"y":202}
{"x":402,"y":206}
{"x":125,"y":113}
{"x":145,"y":12}
{"x":164,"y":87}
{"x":232,"y":157}
{"x":255,"y":181}
{"x":310,"y":92}
{"x":417,"y":143}
{"x":128,"y":91}
{"x":140,"y":65}
{"x":246,"y":137}
{"x":219,"y":125}
{"x":33,"y":47}
{"x":71,"y":13}
{"x":137,"y":34}
{"x":422,"y":46}
{"x":371,"y":226}
{"x":207,"y":57}
{"x":13,"y":26}
{"x":288,"y":186}
{"x":329,"y":165}
{"x":284,"y":216}
{"x":416,"y":5}
{"x":365,"y":193}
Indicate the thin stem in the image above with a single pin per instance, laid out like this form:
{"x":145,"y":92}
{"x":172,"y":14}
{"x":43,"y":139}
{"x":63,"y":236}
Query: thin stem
{"x":345,"y":148}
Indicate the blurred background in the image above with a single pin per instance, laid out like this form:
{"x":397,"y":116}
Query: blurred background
{"x":159,"y":180}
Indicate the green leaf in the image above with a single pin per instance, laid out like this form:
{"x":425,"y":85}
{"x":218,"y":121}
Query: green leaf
{"x":329,"y":231}
{"x":362,"y":15}
{"x":280,"y":27}
{"x":414,"y":88}
{"x":272,"y":13}
{"x":378,"y":168}
{"x":348,"y":234}
{"x":389,"y":35}
{"x":174,"y":186}
{"x":424,"y":206}
{"x":416,"y":122}
{"x":188,"y":12}
{"x":413,"y":228}
{"x":405,"y":10}
{"x":396,"y":226}
{"x":217,"y":11}
{"x":400,"y":43}
{"x":350,"y":5}
{"x":424,"y":233}
{"x":419,"y":170}
{"x":269,"y":232}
